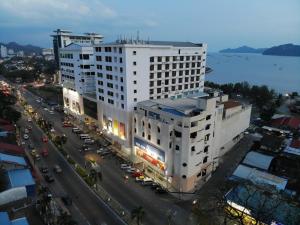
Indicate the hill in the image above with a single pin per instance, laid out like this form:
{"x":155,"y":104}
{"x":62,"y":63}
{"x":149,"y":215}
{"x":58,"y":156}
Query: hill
{"x":283,"y":50}
{"x":243,"y":49}
{"x":28,"y":49}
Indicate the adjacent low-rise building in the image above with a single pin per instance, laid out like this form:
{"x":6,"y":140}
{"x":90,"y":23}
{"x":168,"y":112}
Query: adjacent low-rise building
{"x":180,"y":141}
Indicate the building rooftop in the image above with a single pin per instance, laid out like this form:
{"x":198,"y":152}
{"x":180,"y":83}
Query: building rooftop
{"x":4,"y":220}
{"x":259,"y":177}
{"x":157,"y":43}
{"x":272,"y":143}
{"x":258,"y":160}
{"x":20,"y":178}
{"x":12,"y":159}
{"x":231,"y":104}
{"x":288,"y":122}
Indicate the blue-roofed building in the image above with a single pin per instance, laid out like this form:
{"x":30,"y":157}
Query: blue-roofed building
{"x":4,"y":220}
{"x":21,"y":178}
{"x":9,"y":162}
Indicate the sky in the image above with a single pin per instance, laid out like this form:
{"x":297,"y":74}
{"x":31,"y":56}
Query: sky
{"x":219,"y":23}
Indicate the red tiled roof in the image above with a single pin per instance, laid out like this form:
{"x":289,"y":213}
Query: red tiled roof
{"x":292,"y":122}
{"x":295,"y":143}
{"x":10,"y":148}
{"x":231,"y":104}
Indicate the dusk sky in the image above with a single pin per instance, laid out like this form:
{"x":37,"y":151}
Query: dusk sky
{"x":220,"y":23}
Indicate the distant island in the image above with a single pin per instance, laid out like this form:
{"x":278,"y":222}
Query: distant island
{"x":281,"y":50}
{"x":243,"y":49}
{"x":27,"y":49}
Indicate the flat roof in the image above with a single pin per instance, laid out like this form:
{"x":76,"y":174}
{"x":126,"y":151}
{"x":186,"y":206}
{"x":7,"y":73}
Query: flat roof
{"x":20,"y":221}
{"x":231,"y":104}
{"x":158,"y":43}
{"x":20,"y":178}
{"x":259,"y":177}
{"x":258,"y":160}
{"x":291,"y":150}
{"x":12,"y":159}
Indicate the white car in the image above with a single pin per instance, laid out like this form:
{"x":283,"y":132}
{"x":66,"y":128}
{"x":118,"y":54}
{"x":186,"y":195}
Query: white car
{"x":37,"y":100}
{"x":25,"y":136}
{"x":29,"y":119}
{"x":130,"y":170}
{"x":46,"y":109}
{"x":125,"y":166}
{"x":26,"y":131}
{"x":51,"y":112}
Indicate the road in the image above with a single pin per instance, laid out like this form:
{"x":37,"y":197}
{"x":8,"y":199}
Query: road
{"x":85,"y":201}
{"x":129,"y":194}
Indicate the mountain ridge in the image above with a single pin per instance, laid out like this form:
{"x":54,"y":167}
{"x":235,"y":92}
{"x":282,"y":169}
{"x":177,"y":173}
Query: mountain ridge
{"x":27,"y":49}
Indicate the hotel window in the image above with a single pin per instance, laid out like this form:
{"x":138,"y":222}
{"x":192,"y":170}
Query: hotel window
{"x":158,"y":141}
{"x":121,"y":60}
{"x":151,"y":59}
{"x":122,"y":105}
{"x":110,"y":101}
{"x":134,"y":52}
{"x":151,"y":67}
{"x":203,"y":172}
{"x":191,"y":85}
{"x":180,"y":73}
{"x":98,"y":58}
{"x":159,"y":83}
{"x":170,"y":144}
{"x":122,"y":97}
{"x":115,"y":49}
{"x":135,"y":130}
{"x":205,"y":159}
{"x":166,"y":96}
{"x":173,"y":81}
{"x":151,"y":75}
{"x":181,"y":58}
{"x":174,"y":58}
{"x":122,"y":88}
{"x":166,"y":74}
{"x":120,"y":50}
{"x":167,"y":58}
{"x":149,"y":125}
{"x":166,"y":82}
{"x":174,"y":73}
{"x":121,"y":69}
{"x":158,"y":129}
{"x":177,"y":147}
{"x":98,"y":49}
{"x":193,"y":148}
{"x":99,"y":67}
{"x":151,"y":83}
{"x":183,"y":176}
{"x":207,"y":127}
{"x":151,"y":91}
{"x":206,"y":138}
{"x":159,"y":75}
{"x":135,"y":91}
{"x":158,"y":90}
{"x":180,"y":65}
{"x":134,"y":82}
{"x":121,"y":79}
{"x":134,"y":63}
{"x":134,"y":72}
{"x":179,"y":87}
{"x":167,"y":66}
{"x":159,"y":67}
{"x":184,"y":164}
{"x":149,"y":137}
{"x":135,"y":99}
{"x":143,"y":134}
{"x":208,"y":117}
{"x":158,"y":59}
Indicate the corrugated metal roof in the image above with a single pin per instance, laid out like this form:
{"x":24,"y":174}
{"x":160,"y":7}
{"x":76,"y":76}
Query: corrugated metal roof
{"x":4,"y":219}
{"x":291,"y":150}
{"x":258,"y":160}
{"x":12,"y":159}
{"x":20,"y":178}
{"x":260,"y":177}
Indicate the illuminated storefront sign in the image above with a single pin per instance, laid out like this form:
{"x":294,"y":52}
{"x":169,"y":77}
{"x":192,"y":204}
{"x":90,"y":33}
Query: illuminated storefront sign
{"x":150,"y":153}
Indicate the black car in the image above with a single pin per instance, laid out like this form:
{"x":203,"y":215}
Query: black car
{"x":67,"y":200}
{"x":154,"y":186}
{"x":49,"y":178}
{"x":44,"y":169}
{"x":161,"y":190}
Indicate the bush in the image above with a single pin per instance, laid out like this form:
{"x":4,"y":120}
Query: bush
{"x":71,"y":161}
{"x":82,"y":172}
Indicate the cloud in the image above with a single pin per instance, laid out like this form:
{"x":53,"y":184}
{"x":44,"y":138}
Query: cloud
{"x":45,"y":11}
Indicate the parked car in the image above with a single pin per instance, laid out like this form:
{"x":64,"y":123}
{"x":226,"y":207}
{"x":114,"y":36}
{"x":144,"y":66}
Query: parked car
{"x":147,"y":181}
{"x":154,"y":186}
{"x":86,"y":148}
{"x":67,"y":124}
{"x":67,"y":200}
{"x":26,"y":131}
{"x":161,"y":190}
{"x":51,"y":112}
{"x":44,"y":169}
{"x":139,"y":179}
{"x":125,"y":166}
{"x":49,"y":178}
{"x":37,"y":157}
{"x":57,"y":169}
{"x":45,"y":138}
{"x":137,"y":174}
{"x":131,"y":170}
{"x":26,"y":136}
{"x":45,"y":152}
{"x":89,"y":141}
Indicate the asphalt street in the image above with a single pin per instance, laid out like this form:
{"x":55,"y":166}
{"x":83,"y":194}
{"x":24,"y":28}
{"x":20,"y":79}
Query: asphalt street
{"x":86,"y":206}
{"x":129,"y":194}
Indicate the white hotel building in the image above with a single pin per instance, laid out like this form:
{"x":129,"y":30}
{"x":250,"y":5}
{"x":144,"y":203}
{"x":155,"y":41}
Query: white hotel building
{"x":125,"y":73}
{"x":104,"y":83}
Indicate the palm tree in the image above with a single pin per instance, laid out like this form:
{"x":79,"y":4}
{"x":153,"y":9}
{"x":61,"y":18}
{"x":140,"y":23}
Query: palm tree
{"x":138,"y":213}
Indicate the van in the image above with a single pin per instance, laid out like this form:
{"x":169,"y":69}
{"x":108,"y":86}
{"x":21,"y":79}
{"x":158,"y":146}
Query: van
{"x":84,"y":136}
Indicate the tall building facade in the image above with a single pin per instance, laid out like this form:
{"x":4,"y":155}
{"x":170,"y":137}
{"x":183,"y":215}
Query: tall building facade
{"x":3,"y":51}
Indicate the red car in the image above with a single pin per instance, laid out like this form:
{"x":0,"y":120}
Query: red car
{"x":45,"y":139}
{"x":45,"y":152}
{"x":67,"y":124}
{"x":137,"y":174}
